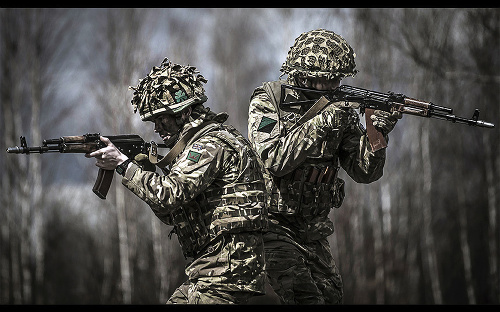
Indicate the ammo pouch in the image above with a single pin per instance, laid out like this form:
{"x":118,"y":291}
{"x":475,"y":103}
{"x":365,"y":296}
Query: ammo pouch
{"x":191,"y":224}
{"x":310,"y":191}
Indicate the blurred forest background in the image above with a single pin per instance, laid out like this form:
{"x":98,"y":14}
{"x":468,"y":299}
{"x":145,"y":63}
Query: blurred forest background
{"x":427,"y":232}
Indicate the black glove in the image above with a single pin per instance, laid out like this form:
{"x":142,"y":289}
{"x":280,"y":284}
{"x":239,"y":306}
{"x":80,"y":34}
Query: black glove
{"x":143,"y":161}
{"x":385,"y":121}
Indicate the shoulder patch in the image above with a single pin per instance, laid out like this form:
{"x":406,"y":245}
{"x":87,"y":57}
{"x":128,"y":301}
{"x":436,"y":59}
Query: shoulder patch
{"x":266,"y":124}
{"x":197,"y":146}
{"x":194,"y":156}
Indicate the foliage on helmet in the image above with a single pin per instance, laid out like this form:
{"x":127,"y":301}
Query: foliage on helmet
{"x":168,"y":88}
{"x":320,"y":53}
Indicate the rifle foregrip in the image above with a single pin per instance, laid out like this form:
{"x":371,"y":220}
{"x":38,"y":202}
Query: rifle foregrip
{"x":103,"y":182}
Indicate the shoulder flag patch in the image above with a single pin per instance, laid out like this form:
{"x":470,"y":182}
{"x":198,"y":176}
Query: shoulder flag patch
{"x":194,"y":156}
{"x":266,"y":124}
{"x":197,"y":146}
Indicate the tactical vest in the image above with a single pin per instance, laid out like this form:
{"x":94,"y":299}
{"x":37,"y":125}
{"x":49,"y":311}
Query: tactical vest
{"x":233,"y":207}
{"x":311,"y":189}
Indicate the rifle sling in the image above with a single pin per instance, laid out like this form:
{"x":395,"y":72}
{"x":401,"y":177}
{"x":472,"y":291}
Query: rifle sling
{"x":311,"y":112}
{"x":178,"y":147}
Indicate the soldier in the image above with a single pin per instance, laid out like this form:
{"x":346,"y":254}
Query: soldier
{"x":213,"y":194}
{"x":304,"y":159}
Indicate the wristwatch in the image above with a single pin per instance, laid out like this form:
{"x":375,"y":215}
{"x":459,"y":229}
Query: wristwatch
{"x":121,"y":168}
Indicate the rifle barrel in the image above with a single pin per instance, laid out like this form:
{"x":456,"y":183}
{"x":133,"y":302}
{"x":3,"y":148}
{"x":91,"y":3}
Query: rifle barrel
{"x":458,"y":119}
{"x":27,"y":150}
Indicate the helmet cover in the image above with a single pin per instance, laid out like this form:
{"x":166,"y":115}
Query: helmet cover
{"x":320,"y":53}
{"x":169,"y":89}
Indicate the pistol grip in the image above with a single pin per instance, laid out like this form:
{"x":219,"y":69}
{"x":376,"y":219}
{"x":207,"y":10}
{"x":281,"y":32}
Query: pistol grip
{"x":375,"y":137}
{"x":103,"y":182}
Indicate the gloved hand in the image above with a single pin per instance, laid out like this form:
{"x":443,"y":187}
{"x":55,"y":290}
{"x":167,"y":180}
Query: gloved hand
{"x":385,"y":121}
{"x":143,"y":161}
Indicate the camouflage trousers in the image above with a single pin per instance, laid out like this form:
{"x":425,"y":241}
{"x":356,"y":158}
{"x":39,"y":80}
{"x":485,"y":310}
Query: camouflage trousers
{"x":229,"y":271}
{"x":302,"y":273}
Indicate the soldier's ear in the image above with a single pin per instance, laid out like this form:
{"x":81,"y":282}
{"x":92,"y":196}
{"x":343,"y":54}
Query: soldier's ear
{"x":186,"y":113}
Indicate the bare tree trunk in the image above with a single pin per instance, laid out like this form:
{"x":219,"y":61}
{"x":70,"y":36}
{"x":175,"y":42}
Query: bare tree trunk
{"x":17,"y":292}
{"x":414,"y":194}
{"x":377,"y":224}
{"x":429,"y":251}
{"x":388,"y":244}
{"x":9,"y":47}
{"x":35,"y":176}
{"x":402,"y":249}
{"x":10,"y":261}
{"x":107,"y":267}
{"x":25,"y":197}
{"x":492,"y":215}
{"x":112,"y":118}
{"x":25,"y":241}
{"x":494,"y":231}
{"x":160,"y":269}
{"x":11,"y":27}
{"x":359,"y":267}
{"x":462,"y":218}
{"x":126,"y":284}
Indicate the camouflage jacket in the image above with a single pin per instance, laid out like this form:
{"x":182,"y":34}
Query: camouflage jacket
{"x":304,"y":162}
{"x":214,"y":186}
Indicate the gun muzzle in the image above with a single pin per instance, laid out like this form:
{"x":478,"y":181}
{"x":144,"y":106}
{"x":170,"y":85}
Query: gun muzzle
{"x":480,"y":123}
{"x":484,"y":124}
{"x":28,"y":150}
{"x":15,"y":150}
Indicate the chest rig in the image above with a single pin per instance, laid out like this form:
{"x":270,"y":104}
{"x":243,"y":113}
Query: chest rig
{"x":225,"y":206}
{"x":313,"y":188}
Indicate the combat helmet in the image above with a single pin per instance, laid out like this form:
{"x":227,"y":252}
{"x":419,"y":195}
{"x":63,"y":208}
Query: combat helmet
{"x":168,"y":88}
{"x":320,"y":53}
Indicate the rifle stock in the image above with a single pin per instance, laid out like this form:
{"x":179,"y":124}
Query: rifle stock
{"x":128,"y":144}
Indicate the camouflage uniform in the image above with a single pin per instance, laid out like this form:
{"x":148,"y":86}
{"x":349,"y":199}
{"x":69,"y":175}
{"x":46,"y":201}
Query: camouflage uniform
{"x":214,"y":195}
{"x":304,"y":162}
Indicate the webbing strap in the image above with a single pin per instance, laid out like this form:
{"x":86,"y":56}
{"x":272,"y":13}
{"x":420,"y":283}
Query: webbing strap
{"x":178,"y":147}
{"x":311,"y":112}
{"x":273,"y":88}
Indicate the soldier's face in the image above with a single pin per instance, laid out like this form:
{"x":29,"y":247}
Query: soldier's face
{"x":320,"y":83}
{"x":166,"y":126}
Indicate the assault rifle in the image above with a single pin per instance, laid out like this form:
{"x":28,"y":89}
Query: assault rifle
{"x":368,"y":100}
{"x":128,"y":144}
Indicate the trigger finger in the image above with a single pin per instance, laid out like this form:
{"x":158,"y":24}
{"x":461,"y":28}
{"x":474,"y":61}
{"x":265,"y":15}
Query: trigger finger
{"x":105,"y":140}
{"x":94,"y":154}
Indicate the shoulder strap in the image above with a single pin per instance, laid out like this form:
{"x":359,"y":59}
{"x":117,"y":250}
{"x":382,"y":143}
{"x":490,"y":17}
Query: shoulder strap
{"x":178,"y":147}
{"x":273,"y":89}
{"x":311,"y":112}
